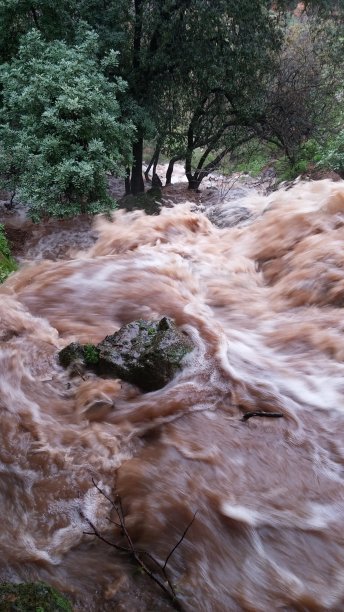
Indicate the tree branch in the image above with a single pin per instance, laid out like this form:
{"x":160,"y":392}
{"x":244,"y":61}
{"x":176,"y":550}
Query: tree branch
{"x":34,"y":16}
{"x":166,"y":584}
{"x":261,"y":413}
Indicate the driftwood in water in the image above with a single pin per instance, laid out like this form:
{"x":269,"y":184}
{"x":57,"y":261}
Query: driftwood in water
{"x":261,"y":413}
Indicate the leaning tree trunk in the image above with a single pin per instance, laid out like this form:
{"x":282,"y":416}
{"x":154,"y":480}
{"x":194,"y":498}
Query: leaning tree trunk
{"x":147,"y":171}
{"x":193,"y":179}
{"x":154,"y":161}
{"x":136,"y":182}
{"x":170,"y":168}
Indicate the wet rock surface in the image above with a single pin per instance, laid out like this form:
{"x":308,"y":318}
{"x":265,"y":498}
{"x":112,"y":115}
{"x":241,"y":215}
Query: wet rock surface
{"x":229,"y":217}
{"x":145,"y":353}
{"x":32,"y":597}
{"x":72,"y":353}
{"x":148,"y":201}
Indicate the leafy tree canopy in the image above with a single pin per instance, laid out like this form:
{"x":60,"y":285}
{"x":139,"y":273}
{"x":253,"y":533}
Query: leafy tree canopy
{"x":196,"y":69}
{"x":61,"y":129}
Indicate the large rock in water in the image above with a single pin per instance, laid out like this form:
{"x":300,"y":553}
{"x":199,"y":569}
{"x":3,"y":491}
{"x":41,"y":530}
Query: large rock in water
{"x":32,"y":597}
{"x":144,"y":353}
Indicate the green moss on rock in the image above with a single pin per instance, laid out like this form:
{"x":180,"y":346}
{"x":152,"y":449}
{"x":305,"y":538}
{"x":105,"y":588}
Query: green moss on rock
{"x":145,"y":353}
{"x":85,"y":355}
{"x":32,"y":597}
{"x":91,"y":354}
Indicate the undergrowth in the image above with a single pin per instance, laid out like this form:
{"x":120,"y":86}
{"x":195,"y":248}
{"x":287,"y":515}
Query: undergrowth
{"x":7,"y":263}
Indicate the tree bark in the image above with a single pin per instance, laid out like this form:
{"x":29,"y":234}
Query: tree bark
{"x":193,"y":182}
{"x":136,"y":181}
{"x":169,"y":171}
{"x":137,"y":34}
{"x":127,"y":181}
{"x":35,"y":17}
{"x":154,"y":161}
{"x":149,"y":167}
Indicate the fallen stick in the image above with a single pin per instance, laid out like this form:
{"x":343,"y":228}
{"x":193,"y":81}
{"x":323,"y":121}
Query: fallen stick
{"x":261,"y":413}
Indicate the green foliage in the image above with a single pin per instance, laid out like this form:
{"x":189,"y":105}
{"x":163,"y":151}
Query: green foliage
{"x":199,"y":78}
{"x":91,"y":354}
{"x":61,"y":129}
{"x":7,"y":263}
{"x":253,"y":165}
{"x":328,"y":155}
{"x":220,"y":84}
{"x":302,"y":95}
{"x":17,"y":17}
{"x":331,"y":155}
{"x":285,"y":171}
{"x":188,"y":63}
{"x":250,"y":158}
{"x":32,"y":597}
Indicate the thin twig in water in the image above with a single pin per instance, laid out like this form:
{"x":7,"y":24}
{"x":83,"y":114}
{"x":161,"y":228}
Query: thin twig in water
{"x":180,"y":540}
{"x":165,"y":585}
{"x":261,"y":413}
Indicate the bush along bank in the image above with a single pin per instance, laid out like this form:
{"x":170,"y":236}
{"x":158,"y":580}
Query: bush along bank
{"x":7,"y":263}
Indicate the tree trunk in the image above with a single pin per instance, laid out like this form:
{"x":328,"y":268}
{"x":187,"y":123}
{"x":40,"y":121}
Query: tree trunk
{"x":136,"y":182}
{"x":127,"y":181}
{"x":148,"y":168}
{"x":194,"y":183}
{"x":153,"y":162}
{"x":169,"y":171}
{"x":136,"y":179}
{"x":156,"y":161}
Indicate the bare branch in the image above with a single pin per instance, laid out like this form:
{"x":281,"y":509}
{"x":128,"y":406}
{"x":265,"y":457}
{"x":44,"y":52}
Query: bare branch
{"x":180,"y":540}
{"x":164,"y":581}
{"x":261,"y":413}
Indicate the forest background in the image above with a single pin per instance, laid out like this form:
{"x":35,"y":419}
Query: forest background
{"x":88,"y":88}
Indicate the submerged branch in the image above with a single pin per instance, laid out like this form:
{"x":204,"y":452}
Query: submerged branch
{"x":163,"y":580}
{"x":179,"y":541}
{"x":261,"y":413}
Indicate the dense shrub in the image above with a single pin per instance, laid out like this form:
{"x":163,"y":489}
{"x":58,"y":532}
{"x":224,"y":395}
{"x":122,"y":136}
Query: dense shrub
{"x":60,"y":127}
{"x":7,"y":264}
{"x":332,"y":154}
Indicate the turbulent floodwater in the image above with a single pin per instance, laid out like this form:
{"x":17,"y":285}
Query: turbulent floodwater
{"x":263,"y":302}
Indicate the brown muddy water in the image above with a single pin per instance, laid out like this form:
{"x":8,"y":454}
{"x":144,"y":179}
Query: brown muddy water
{"x":263,"y":302}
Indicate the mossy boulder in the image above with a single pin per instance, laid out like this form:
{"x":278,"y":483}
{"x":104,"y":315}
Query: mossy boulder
{"x":32,"y":597}
{"x":145,"y":353}
{"x":86,"y":355}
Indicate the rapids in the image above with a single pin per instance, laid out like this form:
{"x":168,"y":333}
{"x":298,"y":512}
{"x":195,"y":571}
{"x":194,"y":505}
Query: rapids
{"x":263,"y":303}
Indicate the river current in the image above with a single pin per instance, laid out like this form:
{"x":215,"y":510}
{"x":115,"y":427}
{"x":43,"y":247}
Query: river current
{"x":263,"y":302}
